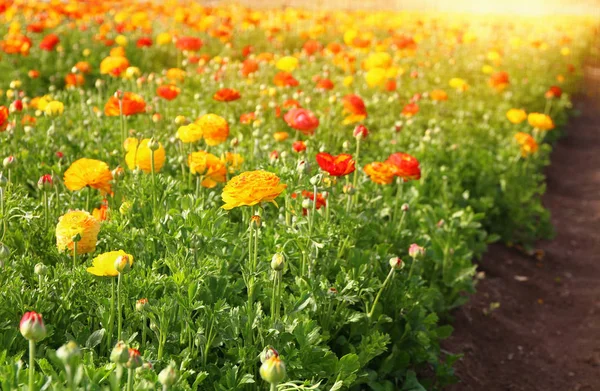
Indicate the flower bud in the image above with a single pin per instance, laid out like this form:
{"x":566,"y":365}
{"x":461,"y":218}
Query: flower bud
{"x":396,"y":263}
{"x":168,"y":376}
{"x":273,"y":156}
{"x":45,"y":182}
{"x":153,"y":145}
{"x":332,"y":292}
{"x":404,"y":207}
{"x":316,"y":180}
{"x":179,"y":120}
{"x":123,"y":264}
{"x":8,"y":162}
{"x":345,"y":145}
{"x":68,"y":353}
{"x":306,"y":203}
{"x":40,"y":269}
{"x":348,"y":189}
{"x":141,"y":304}
{"x":135,"y":359}
{"x":119,"y":354}
{"x":416,"y":251}
{"x":277,"y":262}
{"x":273,"y":370}
{"x":360,"y":132}
{"x":76,"y":238}
{"x":32,"y":326}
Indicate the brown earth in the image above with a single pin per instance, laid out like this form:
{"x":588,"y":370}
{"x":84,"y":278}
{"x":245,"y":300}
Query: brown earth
{"x":545,"y":334}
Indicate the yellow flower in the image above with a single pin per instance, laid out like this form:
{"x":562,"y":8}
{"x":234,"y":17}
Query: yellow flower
{"x":377,"y":60}
{"x":189,"y":133}
{"x":121,"y":40}
{"x":348,"y":80}
{"x":251,"y":188}
{"x":77,"y":223}
{"x":164,"y":39}
{"x":214,"y":129}
{"x":233,"y":161}
{"x":175,"y":74}
{"x":528,"y":144}
{"x":131,"y":73}
{"x":458,"y":84}
{"x":104,"y":264}
{"x":139,"y":155}
{"x":487,"y":69}
{"x":54,"y":108}
{"x":287,"y":63}
{"x":516,"y":116}
{"x":381,"y":173}
{"x":210,"y":168}
{"x":281,"y":136}
{"x":376,"y":77}
{"x":565,"y":51}
{"x":88,"y":172}
{"x":540,"y":121}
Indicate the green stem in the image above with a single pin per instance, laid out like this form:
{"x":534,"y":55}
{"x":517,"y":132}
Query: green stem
{"x":389,"y":276}
{"x":74,"y":255}
{"x":273,"y":387}
{"x":130,"y":379}
{"x":31,"y":364}
{"x":111,"y":319}
{"x":153,"y":181}
{"x":355,"y":179}
{"x":119,"y":309}
{"x":143,"y":331}
{"x":87,"y":198}
{"x":46,"y":218}
{"x":400,"y":182}
{"x":412,"y":267}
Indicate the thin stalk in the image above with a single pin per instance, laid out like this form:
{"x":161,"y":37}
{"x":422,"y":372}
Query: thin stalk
{"x":46,"y":218}
{"x":143,"y":331}
{"x":273,"y":387}
{"x":119,"y":309}
{"x":130,"y":379}
{"x":111,"y":319}
{"x":387,"y":279}
{"x":153,"y":180}
{"x":31,"y":364}
{"x":74,"y":255}
{"x":355,"y":179}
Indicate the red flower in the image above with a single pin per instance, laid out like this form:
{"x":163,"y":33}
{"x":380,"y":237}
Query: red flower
{"x":32,"y":326}
{"x":168,"y":91}
{"x":360,"y":131}
{"x":299,"y":146}
{"x":3,"y":118}
{"x":45,"y":181}
{"x":246,"y":50}
{"x":499,"y":80}
{"x":18,"y":105}
{"x":353,"y":104}
{"x":320,"y":203}
{"x":249,"y":66}
{"x":325,"y":84}
{"x":339,"y":165}
{"x":226,"y":95}
{"x":390,"y":85}
{"x":291,"y":104}
{"x":74,"y":79}
{"x":247,"y":118}
{"x":285,"y":79}
{"x":410,"y":109}
{"x":554,"y":92}
{"x":303,"y":120}
{"x":407,"y":166}
{"x":191,"y":44}
{"x":132,"y":104}
{"x":144,"y":42}
{"x":311,"y":47}
{"x":49,"y":42}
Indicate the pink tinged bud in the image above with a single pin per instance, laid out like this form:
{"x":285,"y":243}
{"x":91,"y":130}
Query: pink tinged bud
{"x":135,"y":359}
{"x":360,"y":131}
{"x":118,"y":94}
{"x":32,"y":326}
{"x":416,"y":251}
{"x":9,"y":161}
{"x":396,"y":263}
{"x":45,"y":182}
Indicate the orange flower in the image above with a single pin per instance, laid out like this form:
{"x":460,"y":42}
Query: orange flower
{"x":139,"y":155}
{"x":233,"y":161}
{"x":114,"y":65}
{"x":499,"y":80}
{"x":88,"y":172}
{"x":353,"y":104}
{"x":3,"y":118}
{"x":16,"y":44}
{"x":249,"y":66}
{"x":251,"y":188}
{"x":168,"y":91}
{"x":49,"y":42}
{"x":83,"y":67}
{"x":191,"y":44}
{"x":381,"y":173}
{"x":101,"y":214}
{"x":214,"y":128}
{"x":281,"y":136}
{"x":407,"y":166}
{"x":175,"y":74}
{"x":226,"y":95}
{"x":132,"y":104}
{"x":303,"y":120}
{"x":339,"y":165}
{"x":77,"y":223}
{"x":439,"y":95}
{"x":247,"y":118}
{"x":285,"y":79}
{"x":540,"y":121}
{"x":74,"y":80}
{"x":527,"y":143}
{"x":410,"y":109}
{"x":210,"y":168}
{"x":325,"y":84}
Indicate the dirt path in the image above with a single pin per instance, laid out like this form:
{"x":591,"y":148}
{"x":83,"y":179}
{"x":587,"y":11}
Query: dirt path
{"x":545,"y":335}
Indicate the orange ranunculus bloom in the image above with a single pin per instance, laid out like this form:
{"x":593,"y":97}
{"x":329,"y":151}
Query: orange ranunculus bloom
{"x":139,"y":155}
{"x":303,"y":120}
{"x":168,"y":91}
{"x":132,"y":104}
{"x":249,"y":66}
{"x":527,"y":143}
{"x":88,"y":172}
{"x":226,"y":95}
{"x":233,"y":161}
{"x":3,"y":118}
{"x":407,"y":166}
{"x":73,"y":223}
{"x":540,"y":121}
{"x":251,"y":188}
{"x":410,"y":109}
{"x":49,"y":42}
{"x":247,"y":118}
{"x":311,"y":46}
{"x":74,"y":80}
{"x":101,"y":214}
{"x":499,"y":80}
{"x":211,"y":169}
{"x":215,"y":129}
{"x":114,"y":65}
{"x":439,"y":95}
{"x":83,"y":67}
{"x":381,"y":173}
{"x":516,"y":116}
{"x":281,"y":136}
{"x":16,"y":44}
{"x":175,"y":75}
{"x":191,"y":44}
{"x":325,"y":84}
{"x":285,"y":79}
{"x":339,"y":165}
{"x":355,"y":107}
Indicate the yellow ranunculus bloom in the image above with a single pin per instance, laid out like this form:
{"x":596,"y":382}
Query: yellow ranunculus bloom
{"x":540,"y":121}
{"x":516,"y":116}
{"x":77,"y":223}
{"x":104,"y":264}
{"x":54,"y":108}
{"x":189,"y":133}
{"x":139,"y":155}
{"x":376,"y":77}
{"x":287,"y":63}
{"x":164,"y":39}
{"x":121,"y":40}
{"x":251,"y":188}
{"x":215,"y":129}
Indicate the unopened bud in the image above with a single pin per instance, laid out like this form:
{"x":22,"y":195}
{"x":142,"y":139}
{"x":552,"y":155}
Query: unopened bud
{"x":123,"y":264}
{"x":316,"y":180}
{"x":396,"y":263}
{"x":119,"y":354}
{"x":32,"y":326}
{"x":40,"y":269}
{"x":168,"y":376}
{"x":153,"y":145}
{"x":277,"y":262}
{"x":141,"y":304}
{"x":135,"y":359}
{"x":68,"y":353}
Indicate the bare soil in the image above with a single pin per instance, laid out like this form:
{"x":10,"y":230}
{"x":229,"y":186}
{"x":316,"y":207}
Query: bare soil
{"x":534,"y":323}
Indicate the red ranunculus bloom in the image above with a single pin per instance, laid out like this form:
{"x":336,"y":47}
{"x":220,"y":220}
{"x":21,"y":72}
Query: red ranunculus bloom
{"x":321,"y":201}
{"x":191,"y":44}
{"x":285,"y":79}
{"x":339,"y":165}
{"x":554,"y":92}
{"x":353,"y":104}
{"x":407,"y":166}
{"x":49,"y":42}
{"x":168,"y":91}
{"x":226,"y":95}
{"x":247,"y":118}
{"x":303,"y":120}
{"x":144,"y":42}
{"x":3,"y":118}
{"x":299,"y":146}
{"x":410,"y":109}
{"x":325,"y":84}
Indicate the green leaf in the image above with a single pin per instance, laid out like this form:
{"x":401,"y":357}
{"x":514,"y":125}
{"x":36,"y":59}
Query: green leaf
{"x":95,"y":339}
{"x":411,"y":383}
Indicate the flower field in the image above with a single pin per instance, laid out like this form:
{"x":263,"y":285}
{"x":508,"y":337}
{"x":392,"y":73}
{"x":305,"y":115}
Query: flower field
{"x":234,"y":199}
